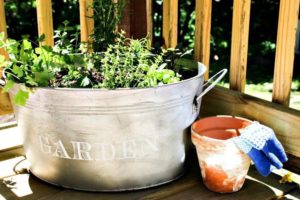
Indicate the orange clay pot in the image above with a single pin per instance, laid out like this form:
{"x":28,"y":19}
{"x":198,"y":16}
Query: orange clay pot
{"x":223,"y":166}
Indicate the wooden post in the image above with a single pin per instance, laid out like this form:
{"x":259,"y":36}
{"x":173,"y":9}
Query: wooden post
{"x":170,"y":23}
{"x":45,"y":20}
{"x":239,"y":44}
{"x":202,"y":32}
{"x":86,"y":20}
{"x":137,"y":19}
{"x":141,"y":18}
{"x":285,"y":50}
{"x":5,"y":104}
{"x":125,"y":23}
{"x":2,"y":29}
{"x":149,"y":20}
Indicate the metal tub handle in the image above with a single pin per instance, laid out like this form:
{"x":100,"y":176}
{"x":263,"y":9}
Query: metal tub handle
{"x":213,"y":81}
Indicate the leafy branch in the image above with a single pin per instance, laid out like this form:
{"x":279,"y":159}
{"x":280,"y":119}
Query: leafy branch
{"x":107,"y":15}
{"x":127,"y":63}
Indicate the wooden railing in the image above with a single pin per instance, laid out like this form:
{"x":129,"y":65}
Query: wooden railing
{"x":283,"y":120}
{"x":5,"y":105}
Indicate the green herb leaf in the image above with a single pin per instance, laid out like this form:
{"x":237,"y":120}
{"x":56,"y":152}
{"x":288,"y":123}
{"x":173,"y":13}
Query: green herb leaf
{"x":21,"y":97}
{"x":85,"y":82}
{"x":47,"y":48}
{"x":13,"y":47}
{"x":38,"y":50}
{"x":66,"y":22}
{"x":26,"y":44}
{"x":18,"y":71}
{"x":166,"y":78}
{"x":159,"y":75}
{"x":42,"y":78}
{"x":30,"y":81}
{"x":41,"y":38}
{"x":9,"y":84}
{"x":188,"y":52}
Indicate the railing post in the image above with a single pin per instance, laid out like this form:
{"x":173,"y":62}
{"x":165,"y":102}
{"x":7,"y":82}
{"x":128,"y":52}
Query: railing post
{"x":285,"y":50}
{"x":170,"y":23}
{"x":86,"y":21}
{"x":149,"y":19}
{"x":45,"y":20}
{"x":2,"y":26}
{"x":239,"y":44}
{"x":137,"y":18}
{"x":5,"y":104}
{"x":125,"y":23}
{"x":202,"y":32}
{"x":141,"y":18}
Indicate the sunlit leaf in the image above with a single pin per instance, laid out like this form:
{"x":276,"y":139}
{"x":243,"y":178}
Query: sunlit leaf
{"x":9,"y":84}
{"x":18,"y":71}
{"x":30,"y":81}
{"x":38,"y":50}
{"x":21,"y":97}
{"x":188,"y":52}
{"x":85,"y":82}
{"x":27,"y":45}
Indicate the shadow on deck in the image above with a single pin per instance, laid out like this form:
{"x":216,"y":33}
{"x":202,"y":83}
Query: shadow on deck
{"x":17,"y":183}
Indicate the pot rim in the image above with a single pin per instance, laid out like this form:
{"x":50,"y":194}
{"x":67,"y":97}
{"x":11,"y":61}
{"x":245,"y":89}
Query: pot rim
{"x":200,"y":74}
{"x":200,"y":136}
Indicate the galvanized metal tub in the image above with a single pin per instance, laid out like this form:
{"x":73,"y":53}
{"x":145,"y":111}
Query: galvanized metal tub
{"x":110,"y":140}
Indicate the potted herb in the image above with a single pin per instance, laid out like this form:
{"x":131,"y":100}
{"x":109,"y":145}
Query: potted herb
{"x":106,"y":121}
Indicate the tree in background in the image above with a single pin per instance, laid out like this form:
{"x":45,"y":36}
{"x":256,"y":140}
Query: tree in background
{"x":22,"y":21}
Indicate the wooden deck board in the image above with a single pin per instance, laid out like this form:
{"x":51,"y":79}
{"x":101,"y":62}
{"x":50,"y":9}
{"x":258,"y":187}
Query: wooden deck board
{"x":10,"y":138}
{"x":295,"y":194}
{"x":190,"y":186}
{"x":26,"y":186}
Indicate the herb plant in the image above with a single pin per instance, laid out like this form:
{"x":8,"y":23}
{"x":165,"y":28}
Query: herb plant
{"x":130,"y":63}
{"x":127,"y":63}
{"x":107,"y":15}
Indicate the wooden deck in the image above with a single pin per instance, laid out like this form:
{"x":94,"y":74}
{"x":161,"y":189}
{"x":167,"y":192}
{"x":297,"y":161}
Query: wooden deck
{"x":17,"y":183}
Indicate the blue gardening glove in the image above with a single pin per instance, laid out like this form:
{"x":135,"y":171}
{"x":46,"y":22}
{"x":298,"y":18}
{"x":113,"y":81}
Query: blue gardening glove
{"x":261,"y":145}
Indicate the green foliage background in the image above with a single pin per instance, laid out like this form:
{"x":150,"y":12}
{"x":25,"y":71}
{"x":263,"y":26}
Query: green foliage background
{"x":262,"y":37}
{"x":21,"y":20}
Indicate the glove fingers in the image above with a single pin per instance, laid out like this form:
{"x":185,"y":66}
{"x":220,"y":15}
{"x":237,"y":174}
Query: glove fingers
{"x":274,"y":146}
{"x":261,"y":162}
{"x":274,"y":160}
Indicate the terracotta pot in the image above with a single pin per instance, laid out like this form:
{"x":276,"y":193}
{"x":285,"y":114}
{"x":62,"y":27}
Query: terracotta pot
{"x":223,"y":166}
